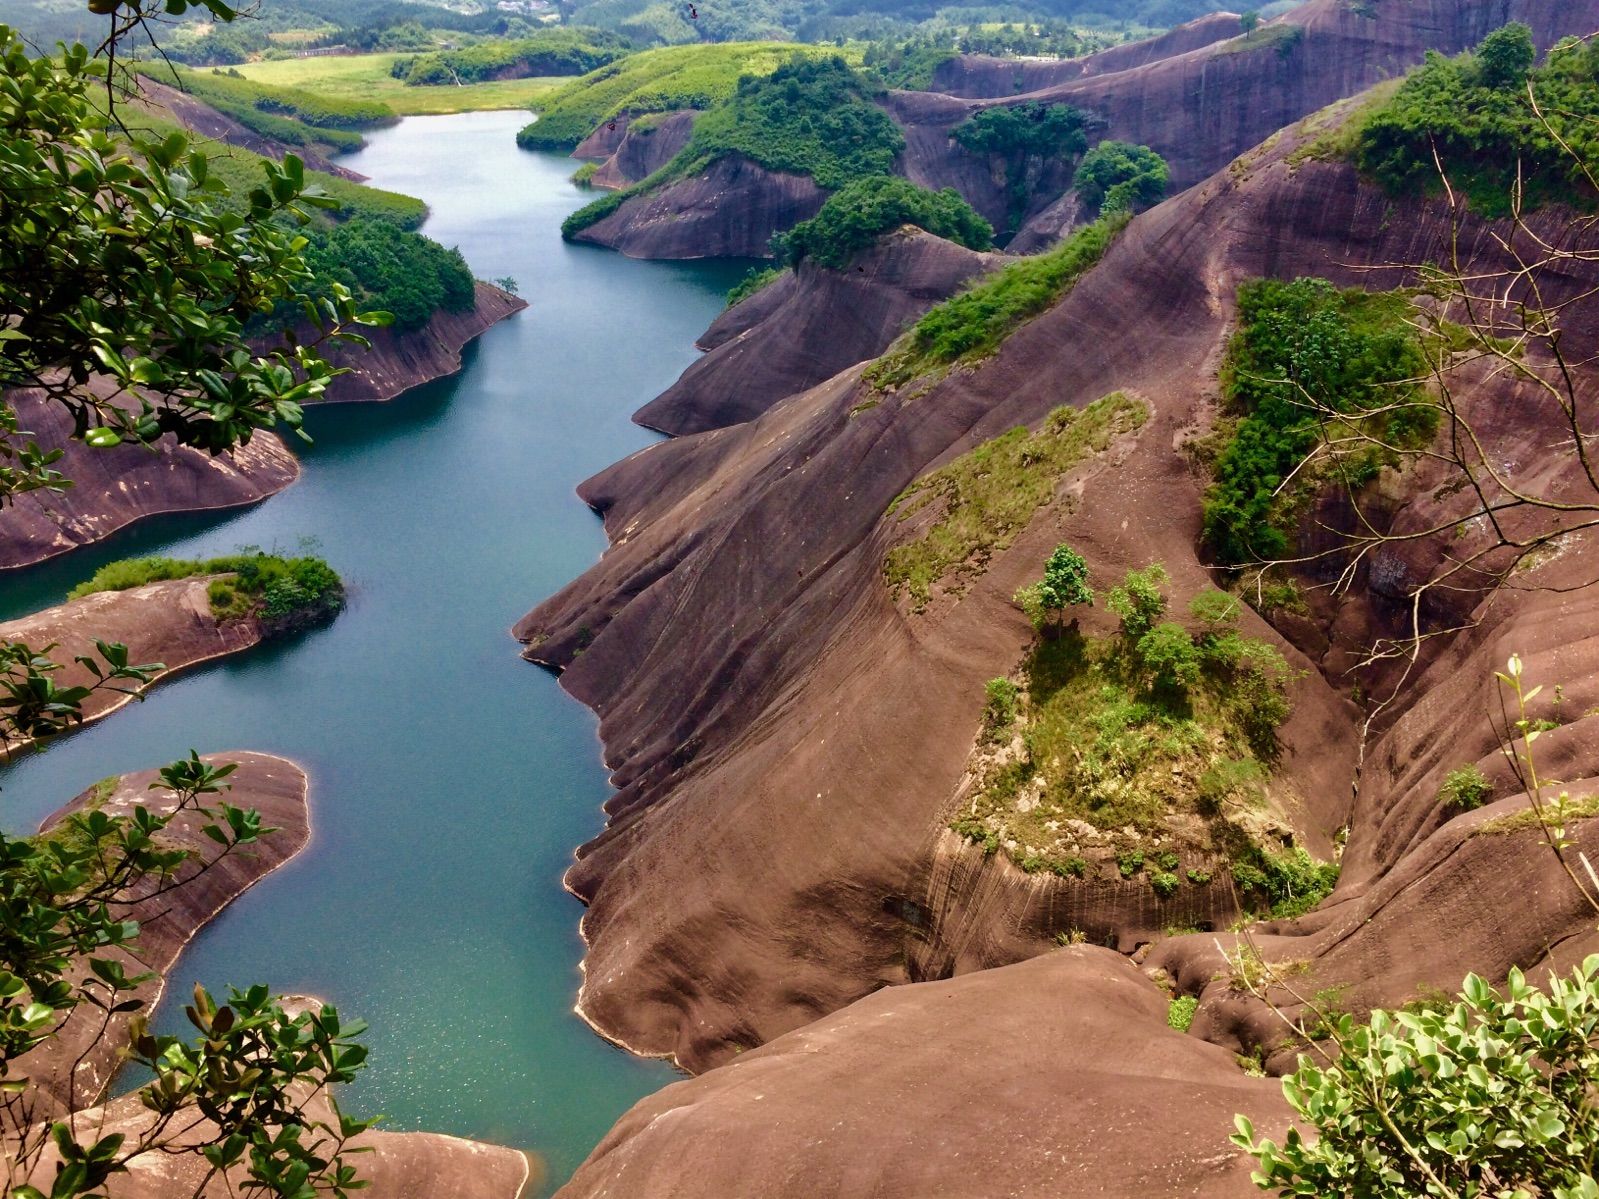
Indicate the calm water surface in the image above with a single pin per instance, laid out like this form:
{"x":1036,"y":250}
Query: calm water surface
{"x":450,"y":779}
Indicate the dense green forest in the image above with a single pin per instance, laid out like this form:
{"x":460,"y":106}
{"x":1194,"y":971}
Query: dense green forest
{"x":859,"y":213}
{"x":811,"y":116}
{"x":1475,"y":110}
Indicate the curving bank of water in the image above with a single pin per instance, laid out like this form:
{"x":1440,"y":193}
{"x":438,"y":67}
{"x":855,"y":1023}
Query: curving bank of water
{"x":449,"y":779}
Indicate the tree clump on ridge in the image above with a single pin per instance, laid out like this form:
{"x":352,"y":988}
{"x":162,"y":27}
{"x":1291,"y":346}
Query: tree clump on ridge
{"x":857,"y":214}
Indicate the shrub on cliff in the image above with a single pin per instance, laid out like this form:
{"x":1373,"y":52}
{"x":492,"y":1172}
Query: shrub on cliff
{"x":403,"y":273}
{"x":1490,"y":1094}
{"x":1116,"y":176}
{"x":259,"y":584}
{"x":1024,"y":138}
{"x":857,"y":214}
{"x":1475,"y":112}
{"x":811,"y":116}
{"x":1306,"y":358}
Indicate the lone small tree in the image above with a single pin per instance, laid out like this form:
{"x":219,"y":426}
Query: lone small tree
{"x":1065,"y":583}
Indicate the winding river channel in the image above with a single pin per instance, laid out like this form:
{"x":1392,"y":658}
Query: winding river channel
{"x":450,"y":779}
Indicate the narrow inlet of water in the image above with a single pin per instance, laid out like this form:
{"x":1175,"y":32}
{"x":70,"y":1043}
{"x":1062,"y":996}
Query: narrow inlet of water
{"x":450,"y":781}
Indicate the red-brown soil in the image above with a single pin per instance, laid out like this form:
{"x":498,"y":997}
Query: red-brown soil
{"x":808,"y":325}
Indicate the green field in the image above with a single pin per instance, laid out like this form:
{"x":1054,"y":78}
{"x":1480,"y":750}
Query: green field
{"x":366,"y":77}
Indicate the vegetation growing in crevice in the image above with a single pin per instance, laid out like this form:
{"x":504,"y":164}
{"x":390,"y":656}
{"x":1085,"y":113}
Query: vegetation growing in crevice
{"x":1119,"y":177}
{"x":856,"y":215}
{"x":753,"y":282}
{"x":1309,"y":364}
{"x":1465,"y":788}
{"x":1474,"y":111}
{"x":1147,"y":753}
{"x":987,"y":496}
{"x":973,"y":325}
{"x":1025,"y":138}
{"x":256,"y":583}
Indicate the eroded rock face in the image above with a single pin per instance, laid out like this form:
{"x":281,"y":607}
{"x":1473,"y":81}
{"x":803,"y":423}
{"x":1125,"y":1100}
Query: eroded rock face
{"x":728,"y":210}
{"x":631,"y":153}
{"x":275,"y":787}
{"x":169,"y":622}
{"x":115,"y":487}
{"x":1054,"y":1077}
{"x":809,"y":325}
{"x":1201,"y":108}
{"x":979,"y":76}
{"x":787,"y":742}
{"x":401,"y":360}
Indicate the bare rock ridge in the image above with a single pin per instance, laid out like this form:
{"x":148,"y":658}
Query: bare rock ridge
{"x":1077,"y":1067}
{"x":113,"y":488}
{"x":728,"y":210}
{"x":787,"y":741}
{"x":981,"y":77}
{"x":71,"y":1072}
{"x":169,"y":622}
{"x":637,"y":148}
{"x":1196,"y":100}
{"x":401,"y":360}
{"x":274,"y":786}
{"x":808,"y":326}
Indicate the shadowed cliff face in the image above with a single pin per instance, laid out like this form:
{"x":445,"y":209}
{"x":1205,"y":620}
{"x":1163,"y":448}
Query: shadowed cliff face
{"x":808,"y":326}
{"x":787,"y":742}
{"x":629,"y":154}
{"x":1071,"y":1084}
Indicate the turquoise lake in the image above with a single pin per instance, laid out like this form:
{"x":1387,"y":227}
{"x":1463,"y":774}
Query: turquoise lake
{"x":450,"y":780}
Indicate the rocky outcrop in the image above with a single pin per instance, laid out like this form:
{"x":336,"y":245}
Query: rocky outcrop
{"x":1202,"y":108}
{"x":72,"y":1070}
{"x":116,"y":487}
{"x":644,"y":146}
{"x":809,"y":325}
{"x":787,"y":742}
{"x":168,"y":622}
{"x":400,"y":360}
{"x":200,"y":118}
{"x":730,"y":209}
{"x":1047,"y":226}
{"x":112,"y":488}
{"x":1054,"y":1077}
{"x":979,"y":76}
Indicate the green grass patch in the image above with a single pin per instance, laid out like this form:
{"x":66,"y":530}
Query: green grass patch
{"x":988,"y":495}
{"x":1116,"y":740}
{"x":753,"y":282}
{"x":1557,"y":812}
{"x":257,"y":584}
{"x":554,"y":51}
{"x":368,"y":78}
{"x":974,"y":324}
{"x":1180,"y":1012}
{"x":1308,"y":365}
{"x":661,"y":80}
{"x":312,"y":108}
